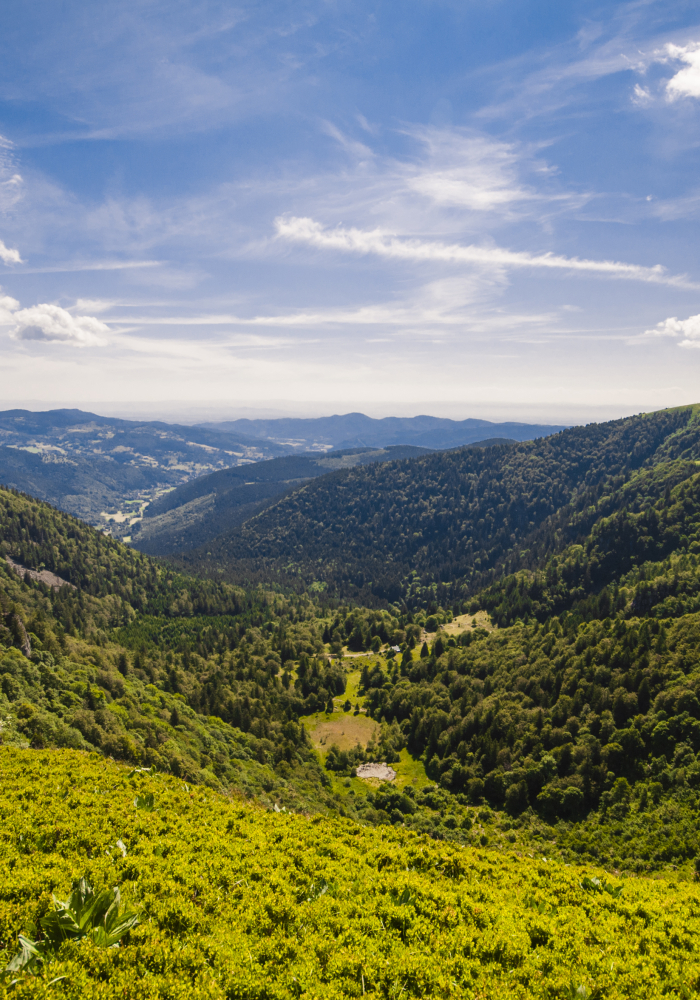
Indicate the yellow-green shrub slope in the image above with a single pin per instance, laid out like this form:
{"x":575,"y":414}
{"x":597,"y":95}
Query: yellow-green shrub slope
{"x":238,"y":902}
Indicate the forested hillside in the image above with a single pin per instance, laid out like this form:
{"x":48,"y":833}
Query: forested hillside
{"x":631,"y":550}
{"x":131,"y":659}
{"x":442,"y":525}
{"x":198,"y":511}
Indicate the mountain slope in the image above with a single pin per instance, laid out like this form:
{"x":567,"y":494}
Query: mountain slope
{"x":86,"y":487}
{"x":400,"y":530}
{"x":641,"y":541}
{"x":236,"y":902}
{"x":200,"y":510}
{"x":77,"y":432}
{"x":79,"y":666}
{"x":88,"y":464}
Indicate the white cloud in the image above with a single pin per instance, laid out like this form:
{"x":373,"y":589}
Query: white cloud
{"x":466,"y":171}
{"x":92,"y":305}
{"x":51,"y":323}
{"x":8,"y":255}
{"x":686,"y":82}
{"x":688,"y":329}
{"x":8,"y":305}
{"x":388,"y":245}
{"x":641,"y":95}
{"x":118,"y":265}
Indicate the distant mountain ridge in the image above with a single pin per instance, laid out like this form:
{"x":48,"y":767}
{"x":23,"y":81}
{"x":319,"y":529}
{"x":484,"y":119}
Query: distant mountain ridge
{"x":356,"y":430}
{"x":18,"y":427}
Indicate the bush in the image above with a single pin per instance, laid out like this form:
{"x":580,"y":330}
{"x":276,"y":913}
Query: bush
{"x":241,"y":902}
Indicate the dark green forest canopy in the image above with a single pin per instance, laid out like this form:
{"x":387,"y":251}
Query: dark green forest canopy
{"x":631,"y":554}
{"x":443,"y":524}
{"x":148,"y":665}
{"x":594,"y":727}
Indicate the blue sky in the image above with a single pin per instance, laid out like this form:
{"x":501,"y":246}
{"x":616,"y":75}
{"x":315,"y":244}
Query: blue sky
{"x":466,"y":208}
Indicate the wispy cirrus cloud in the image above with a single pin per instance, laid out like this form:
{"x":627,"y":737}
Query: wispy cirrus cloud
{"x":467,"y":170}
{"x":11,"y":181}
{"x":105,"y":265}
{"x":388,"y":245}
{"x":449,"y":303}
{"x":446,"y":178}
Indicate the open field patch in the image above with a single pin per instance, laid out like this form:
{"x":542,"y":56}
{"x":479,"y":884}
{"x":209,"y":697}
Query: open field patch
{"x":344,"y":729}
{"x":463,"y":623}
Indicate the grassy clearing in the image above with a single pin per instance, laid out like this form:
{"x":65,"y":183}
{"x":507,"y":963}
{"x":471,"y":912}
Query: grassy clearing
{"x":342,"y":728}
{"x":346,"y":730}
{"x":410,"y":771}
{"x":465,"y":623}
{"x":352,"y":684}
